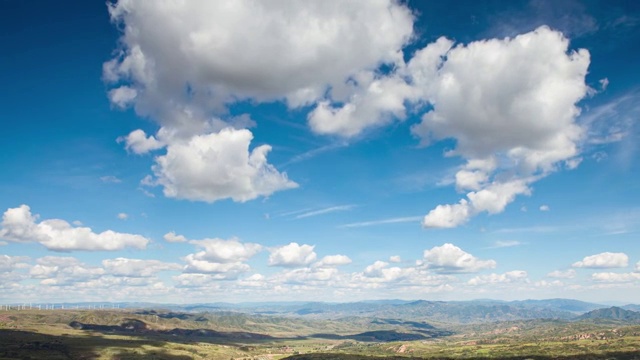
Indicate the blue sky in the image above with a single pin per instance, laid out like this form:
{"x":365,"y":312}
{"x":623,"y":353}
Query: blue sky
{"x":319,"y":151}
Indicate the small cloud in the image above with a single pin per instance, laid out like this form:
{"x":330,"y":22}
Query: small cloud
{"x":123,"y":216}
{"x":146,"y":192}
{"x":505,"y":243}
{"x":395,"y":259}
{"x":604,"y":83}
{"x":110,"y":179}
{"x":568,"y":274}
{"x":545,"y":208}
{"x":267,"y":216}
{"x":77,"y":223}
{"x":172,"y":237}
{"x":523,"y":209}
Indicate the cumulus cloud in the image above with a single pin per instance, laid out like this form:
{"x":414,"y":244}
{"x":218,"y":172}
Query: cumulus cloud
{"x":559,"y":274}
{"x":333,"y":260}
{"x":203,"y":55}
{"x":449,"y":258}
{"x":615,"y":277}
{"x":136,"y":267}
{"x":225,"y":258}
{"x":605,"y":260}
{"x":172,"y":237}
{"x":139,"y":143}
{"x":395,"y":259}
{"x":533,"y":109}
{"x":123,"y":216}
{"x":19,"y":225}
{"x":225,"y":251}
{"x":217,"y":166}
{"x":292,"y":255}
{"x":508,"y":277}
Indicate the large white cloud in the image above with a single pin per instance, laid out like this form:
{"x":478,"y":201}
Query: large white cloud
{"x":449,"y":258}
{"x":511,"y":107}
{"x":19,"y":225}
{"x":207,"y":53}
{"x":292,"y":255}
{"x":217,"y":166}
{"x":605,"y":260}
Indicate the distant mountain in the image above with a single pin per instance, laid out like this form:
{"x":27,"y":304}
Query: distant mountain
{"x":632,"y":307}
{"x":612,"y":313}
{"x":575,"y":306}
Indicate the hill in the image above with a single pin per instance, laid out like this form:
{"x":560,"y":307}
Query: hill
{"x":612,"y":313}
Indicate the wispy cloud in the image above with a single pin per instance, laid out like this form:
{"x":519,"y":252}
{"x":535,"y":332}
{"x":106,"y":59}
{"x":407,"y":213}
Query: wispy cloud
{"x":384,"y":221}
{"x":325,"y":211}
{"x":314,"y":152}
{"x":534,"y":229}
{"x":110,"y":179}
{"x":504,"y":243}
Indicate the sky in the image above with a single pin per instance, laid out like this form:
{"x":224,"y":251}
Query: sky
{"x":242,"y":151}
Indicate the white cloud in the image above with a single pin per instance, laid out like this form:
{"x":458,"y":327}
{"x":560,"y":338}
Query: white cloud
{"x":10,"y":263}
{"x":615,"y":277}
{"x":228,"y":270}
{"x":220,"y":52}
{"x":605,"y":260}
{"x":225,"y":251}
{"x":333,"y":260}
{"x":395,"y":259}
{"x":63,"y":270}
{"x":292,"y":255}
{"x":374,"y":102}
{"x":508,"y":277}
{"x":544,"y":208}
{"x":138,"y":142}
{"x":122,"y":96}
{"x":172,"y":237}
{"x":217,"y":166}
{"x":136,"y":267}
{"x":533,"y":108}
{"x":559,"y":274}
{"x":225,"y":258}
{"x":448,"y":216}
{"x":449,"y":258}
{"x":123,"y":216}
{"x":19,"y":225}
